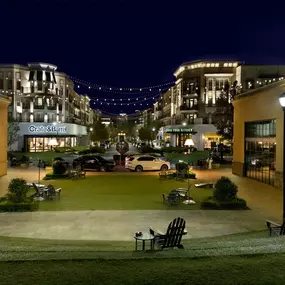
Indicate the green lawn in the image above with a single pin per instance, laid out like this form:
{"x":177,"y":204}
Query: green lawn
{"x":119,"y":192}
{"x":256,"y":269}
{"x":190,"y":158}
{"x":46,"y":156}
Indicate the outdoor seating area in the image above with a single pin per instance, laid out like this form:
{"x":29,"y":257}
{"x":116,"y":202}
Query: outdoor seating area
{"x":43,"y":192}
{"x":159,"y":240}
{"x":177,"y":196}
{"x":76,"y":174}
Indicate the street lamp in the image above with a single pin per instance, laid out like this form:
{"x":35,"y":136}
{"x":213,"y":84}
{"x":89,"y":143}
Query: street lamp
{"x":282,"y":103}
{"x":184,"y":124}
{"x":91,"y":129}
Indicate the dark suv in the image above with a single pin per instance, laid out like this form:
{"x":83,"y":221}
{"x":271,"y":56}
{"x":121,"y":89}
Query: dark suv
{"x":93,"y":162}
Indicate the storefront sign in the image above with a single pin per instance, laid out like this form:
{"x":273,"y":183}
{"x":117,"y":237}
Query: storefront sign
{"x":179,"y":130}
{"x":47,"y":129}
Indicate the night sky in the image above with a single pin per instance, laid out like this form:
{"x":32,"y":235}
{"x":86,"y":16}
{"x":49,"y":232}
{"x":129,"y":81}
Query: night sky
{"x":136,"y":43}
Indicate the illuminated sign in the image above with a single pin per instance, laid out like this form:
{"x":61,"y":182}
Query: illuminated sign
{"x":179,"y":130}
{"x":47,"y":129}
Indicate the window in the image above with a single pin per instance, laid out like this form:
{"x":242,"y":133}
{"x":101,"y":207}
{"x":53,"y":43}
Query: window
{"x":146,"y":158}
{"x":40,"y":86}
{"x":48,"y":76}
{"x":210,"y":82}
{"x":39,"y":101}
{"x":39,"y":75}
{"x":1,"y":80}
{"x":32,"y":76}
{"x":18,"y":81}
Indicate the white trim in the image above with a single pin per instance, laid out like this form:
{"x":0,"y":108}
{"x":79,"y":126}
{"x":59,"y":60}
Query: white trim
{"x":218,"y":74}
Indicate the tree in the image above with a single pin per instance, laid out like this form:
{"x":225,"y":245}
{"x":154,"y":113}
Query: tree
{"x":13,"y":131}
{"x":223,"y":116}
{"x":99,"y":132}
{"x":145,"y":134}
{"x":113,"y":131}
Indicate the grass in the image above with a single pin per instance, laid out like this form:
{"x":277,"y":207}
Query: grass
{"x":119,"y":192}
{"x":46,"y":156}
{"x":190,"y":158}
{"x":256,"y":269}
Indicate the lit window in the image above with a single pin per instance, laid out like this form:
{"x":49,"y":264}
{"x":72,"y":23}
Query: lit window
{"x":212,"y":65}
{"x":208,"y":65}
{"x":217,"y":64}
{"x":230,"y":64}
{"x":235,"y":64}
{"x":192,"y":66}
{"x":226,"y":64}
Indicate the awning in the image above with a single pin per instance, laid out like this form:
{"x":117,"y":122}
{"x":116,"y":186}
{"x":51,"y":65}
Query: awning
{"x":180,"y":130}
{"x":212,"y":135}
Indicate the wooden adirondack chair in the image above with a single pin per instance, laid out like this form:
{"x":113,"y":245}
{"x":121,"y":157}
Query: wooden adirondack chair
{"x":275,"y":229}
{"x":173,"y":236}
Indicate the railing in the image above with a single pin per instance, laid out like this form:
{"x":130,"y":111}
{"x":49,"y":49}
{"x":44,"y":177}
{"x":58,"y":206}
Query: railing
{"x":51,"y":107}
{"x":188,"y":108}
{"x":39,"y":106}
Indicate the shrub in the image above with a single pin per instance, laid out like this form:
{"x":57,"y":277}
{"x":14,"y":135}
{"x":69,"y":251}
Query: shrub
{"x":234,"y":204}
{"x":225,"y":190}
{"x":172,"y":149}
{"x":9,"y":206}
{"x":93,"y":149}
{"x":17,"y":190}
{"x":146,"y":149}
{"x":52,"y":176}
{"x":59,"y":167}
{"x":63,"y":149}
{"x":180,"y":166}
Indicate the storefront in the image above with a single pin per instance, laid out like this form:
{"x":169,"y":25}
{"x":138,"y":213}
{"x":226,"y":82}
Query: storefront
{"x":258,"y":135}
{"x":39,"y":137}
{"x":203,"y":135}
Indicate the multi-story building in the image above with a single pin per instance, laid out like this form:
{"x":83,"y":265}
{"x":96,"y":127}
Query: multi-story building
{"x":46,"y":105}
{"x":198,"y":86}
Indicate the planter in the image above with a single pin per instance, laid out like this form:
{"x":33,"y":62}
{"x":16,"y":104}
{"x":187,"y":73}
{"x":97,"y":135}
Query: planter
{"x":215,"y":165}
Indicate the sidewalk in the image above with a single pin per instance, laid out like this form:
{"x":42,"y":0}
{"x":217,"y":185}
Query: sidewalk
{"x":121,"y":225}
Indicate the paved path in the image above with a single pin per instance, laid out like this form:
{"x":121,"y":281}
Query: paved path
{"x":264,"y":200}
{"x":121,"y":225}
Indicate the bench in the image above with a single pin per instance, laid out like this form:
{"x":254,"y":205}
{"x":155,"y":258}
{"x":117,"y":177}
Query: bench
{"x":275,"y":229}
{"x":205,"y":185}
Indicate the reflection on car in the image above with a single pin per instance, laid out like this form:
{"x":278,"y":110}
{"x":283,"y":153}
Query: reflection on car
{"x":93,"y":162}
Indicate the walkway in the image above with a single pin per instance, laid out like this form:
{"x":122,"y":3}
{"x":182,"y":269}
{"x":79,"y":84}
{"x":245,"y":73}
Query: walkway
{"x":121,"y":225}
{"x":264,"y":200}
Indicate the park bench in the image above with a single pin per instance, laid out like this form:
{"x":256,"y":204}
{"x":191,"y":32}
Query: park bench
{"x":76,"y":174}
{"x":205,"y":185}
{"x":275,"y":229}
{"x":173,"y":236}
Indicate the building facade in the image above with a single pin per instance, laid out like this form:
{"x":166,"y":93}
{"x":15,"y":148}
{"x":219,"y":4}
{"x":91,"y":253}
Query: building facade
{"x":191,"y":102}
{"x":4,"y":102}
{"x":258,"y":134}
{"x":46,"y":105}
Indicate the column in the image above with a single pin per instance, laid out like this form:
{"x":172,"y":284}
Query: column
{"x":3,"y":130}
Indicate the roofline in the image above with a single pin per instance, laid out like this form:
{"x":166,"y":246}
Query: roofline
{"x":263,"y":88}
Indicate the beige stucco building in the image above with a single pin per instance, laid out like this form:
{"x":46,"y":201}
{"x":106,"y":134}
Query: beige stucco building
{"x":258,"y":134}
{"x":4,"y":102}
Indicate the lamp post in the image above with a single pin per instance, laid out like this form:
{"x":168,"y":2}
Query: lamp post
{"x":282,"y":103}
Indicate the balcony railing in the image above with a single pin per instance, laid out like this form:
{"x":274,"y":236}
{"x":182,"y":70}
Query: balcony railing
{"x":189,"y":108}
{"x":51,"y":107}
{"x":38,"y":106}
{"x":26,"y":106}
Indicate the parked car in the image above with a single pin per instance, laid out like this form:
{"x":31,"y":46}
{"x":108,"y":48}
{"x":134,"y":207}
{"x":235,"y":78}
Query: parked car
{"x":93,"y":162}
{"x":146,"y":162}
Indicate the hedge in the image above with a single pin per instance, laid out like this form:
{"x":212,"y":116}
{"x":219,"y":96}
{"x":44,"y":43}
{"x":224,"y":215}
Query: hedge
{"x":29,"y":206}
{"x":52,"y":176}
{"x":234,"y":204}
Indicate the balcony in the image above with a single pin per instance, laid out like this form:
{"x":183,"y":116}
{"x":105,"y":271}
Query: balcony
{"x":26,"y":105}
{"x":38,"y":119}
{"x":189,"y":108}
{"x":190,"y":95}
{"x":51,"y":107}
{"x":39,"y":106}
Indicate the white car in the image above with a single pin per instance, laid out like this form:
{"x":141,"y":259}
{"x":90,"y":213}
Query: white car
{"x":146,"y":162}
